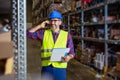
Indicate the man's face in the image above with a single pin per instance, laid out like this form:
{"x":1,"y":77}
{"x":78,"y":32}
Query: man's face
{"x":55,"y":23}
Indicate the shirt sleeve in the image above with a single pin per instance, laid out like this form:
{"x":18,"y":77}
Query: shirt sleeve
{"x":70,"y":44}
{"x":35,"y":35}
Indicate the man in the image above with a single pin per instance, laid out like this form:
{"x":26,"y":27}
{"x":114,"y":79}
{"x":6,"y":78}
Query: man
{"x":53,"y":38}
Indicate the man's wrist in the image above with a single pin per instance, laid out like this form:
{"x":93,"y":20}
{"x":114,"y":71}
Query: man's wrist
{"x":71,"y":56}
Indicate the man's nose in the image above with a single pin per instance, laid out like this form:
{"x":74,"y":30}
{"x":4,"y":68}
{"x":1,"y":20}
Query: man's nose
{"x":53,"y":22}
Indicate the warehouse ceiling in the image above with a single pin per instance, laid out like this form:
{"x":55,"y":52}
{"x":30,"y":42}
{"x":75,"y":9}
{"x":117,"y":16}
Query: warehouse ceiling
{"x":5,"y":6}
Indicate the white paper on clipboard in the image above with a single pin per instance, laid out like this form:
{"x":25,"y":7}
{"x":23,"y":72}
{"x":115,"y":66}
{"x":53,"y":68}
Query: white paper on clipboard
{"x":57,"y":53}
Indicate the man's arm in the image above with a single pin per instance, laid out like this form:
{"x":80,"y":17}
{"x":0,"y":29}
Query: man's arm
{"x":71,"y":53}
{"x":42,"y":25}
{"x":33,"y":32}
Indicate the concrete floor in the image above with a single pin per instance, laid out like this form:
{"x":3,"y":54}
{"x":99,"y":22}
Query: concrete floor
{"x":75,"y":71}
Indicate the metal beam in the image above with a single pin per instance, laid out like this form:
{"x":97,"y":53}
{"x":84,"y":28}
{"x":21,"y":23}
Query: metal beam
{"x":19,"y":38}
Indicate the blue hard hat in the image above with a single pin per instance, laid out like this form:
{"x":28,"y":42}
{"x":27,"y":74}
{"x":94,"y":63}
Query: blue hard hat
{"x":55,"y":14}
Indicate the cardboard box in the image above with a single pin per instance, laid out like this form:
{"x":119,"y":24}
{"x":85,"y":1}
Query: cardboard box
{"x":114,"y":33}
{"x":117,"y":67}
{"x":5,"y":37}
{"x":118,"y":57}
{"x":6,"y":49}
{"x":73,"y":5}
{"x":6,"y":45}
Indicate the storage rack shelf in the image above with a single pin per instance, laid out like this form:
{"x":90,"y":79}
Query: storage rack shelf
{"x":94,"y":39}
{"x":40,"y":11}
{"x":117,"y":42}
{"x":95,"y":6}
{"x":106,"y":25}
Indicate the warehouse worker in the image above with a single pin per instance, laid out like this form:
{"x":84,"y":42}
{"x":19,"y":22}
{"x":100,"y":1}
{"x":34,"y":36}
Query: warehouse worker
{"x":53,"y":38}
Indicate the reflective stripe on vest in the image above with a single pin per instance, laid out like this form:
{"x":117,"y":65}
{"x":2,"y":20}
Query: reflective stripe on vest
{"x":46,"y":58}
{"x":48,"y":45}
{"x":46,"y":50}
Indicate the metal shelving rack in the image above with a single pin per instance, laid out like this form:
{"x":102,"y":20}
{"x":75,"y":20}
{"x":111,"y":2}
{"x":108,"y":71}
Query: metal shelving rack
{"x":19,"y":38}
{"x":40,"y":11}
{"x":82,"y":25}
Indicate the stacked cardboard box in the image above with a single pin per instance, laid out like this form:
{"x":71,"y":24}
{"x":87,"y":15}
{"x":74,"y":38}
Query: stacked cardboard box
{"x":6,"y":45}
{"x":85,"y":57}
{"x":6,"y":51}
{"x":118,"y":62}
{"x":56,"y":6}
{"x":115,"y":34}
{"x":63,"y":6}
{"x":73,"y":5}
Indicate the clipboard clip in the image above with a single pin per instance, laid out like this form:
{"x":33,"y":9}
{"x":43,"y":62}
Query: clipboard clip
{"x":66,"y":54}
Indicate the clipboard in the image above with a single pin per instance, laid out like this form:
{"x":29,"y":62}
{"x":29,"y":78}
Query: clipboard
{"x":57,"y":53}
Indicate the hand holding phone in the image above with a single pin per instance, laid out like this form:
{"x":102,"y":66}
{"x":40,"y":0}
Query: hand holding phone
{"x":44,"y":24}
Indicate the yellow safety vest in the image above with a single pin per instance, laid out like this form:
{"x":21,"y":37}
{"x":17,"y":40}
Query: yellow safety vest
{"x":47,"y":46}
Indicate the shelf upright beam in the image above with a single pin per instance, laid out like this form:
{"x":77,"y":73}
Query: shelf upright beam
{"x":15,"y":35}
{"x":69,"y":23}
{"x":106,"y":35}
{"x":53,"y":3}
{"x":82,"y":29}
{"x":19,"y":38}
